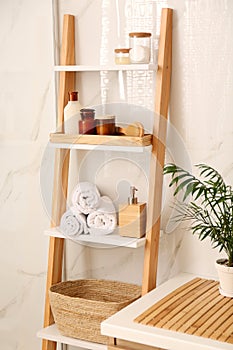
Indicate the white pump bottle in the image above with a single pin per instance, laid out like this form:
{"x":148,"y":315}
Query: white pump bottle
{"x":72,"y":114}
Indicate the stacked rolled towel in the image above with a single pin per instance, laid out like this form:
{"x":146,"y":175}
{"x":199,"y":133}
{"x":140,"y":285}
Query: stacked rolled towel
{"x":86,"y":197}
{"x":103,"y":219}
{"x":89,"y":213}
{"x":73,"y":223}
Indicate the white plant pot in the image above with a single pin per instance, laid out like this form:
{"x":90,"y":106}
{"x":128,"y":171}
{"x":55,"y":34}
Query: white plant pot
{"x":225,"y":274}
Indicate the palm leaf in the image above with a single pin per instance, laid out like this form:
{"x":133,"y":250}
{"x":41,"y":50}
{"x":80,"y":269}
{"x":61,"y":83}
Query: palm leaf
{"x":182,"y":185}
{"x":211,"y":207}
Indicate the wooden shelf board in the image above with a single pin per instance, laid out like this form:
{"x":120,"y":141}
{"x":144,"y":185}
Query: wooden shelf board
{"x":106,"y":148}
{"x":99,"y":68}
{"x":113,"y":239}
{"x":125,"y":142}
{"x":51,"y":333}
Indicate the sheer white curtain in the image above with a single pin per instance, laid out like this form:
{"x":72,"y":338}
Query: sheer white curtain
{"x":119,"y":18}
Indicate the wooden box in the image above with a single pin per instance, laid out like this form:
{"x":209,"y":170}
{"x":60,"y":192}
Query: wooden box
{"x":132,"y":220}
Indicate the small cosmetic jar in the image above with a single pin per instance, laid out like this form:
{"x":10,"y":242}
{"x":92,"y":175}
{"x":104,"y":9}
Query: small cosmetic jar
{"x":105,"y":125}
{"x":87,"y":124}
{"x":122,"y":56}
{"x":140,"y":46}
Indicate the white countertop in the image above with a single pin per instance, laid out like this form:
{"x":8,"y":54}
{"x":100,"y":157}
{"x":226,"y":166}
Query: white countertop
{"x":122,"y":325}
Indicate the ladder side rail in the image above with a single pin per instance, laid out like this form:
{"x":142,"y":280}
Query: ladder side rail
{"x":162,"y":96}
{"x":61,"y":171}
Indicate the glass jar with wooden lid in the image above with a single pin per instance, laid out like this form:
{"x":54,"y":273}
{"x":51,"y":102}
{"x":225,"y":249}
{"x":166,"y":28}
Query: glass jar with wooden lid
{"x":140,"y":47}
{"x":122,"y":56}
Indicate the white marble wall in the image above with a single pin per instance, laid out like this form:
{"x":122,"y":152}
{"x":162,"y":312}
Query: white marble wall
{"x":202,"y":104}
{"x":27,"y":113}
{"x":201,"y":131}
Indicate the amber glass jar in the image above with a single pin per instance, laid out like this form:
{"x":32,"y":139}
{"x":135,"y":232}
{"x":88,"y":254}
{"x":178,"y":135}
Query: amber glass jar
{"x":105,"y":125}
{"x":87,"y":123}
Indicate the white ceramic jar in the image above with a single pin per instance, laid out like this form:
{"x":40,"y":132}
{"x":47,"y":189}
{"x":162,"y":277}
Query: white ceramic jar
{"x":140,"y":47}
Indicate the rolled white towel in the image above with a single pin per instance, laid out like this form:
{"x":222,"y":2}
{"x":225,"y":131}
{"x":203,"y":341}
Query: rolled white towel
{"x":73,"y":223}
{"x":103,"y":220}
{"x":86,"y":197}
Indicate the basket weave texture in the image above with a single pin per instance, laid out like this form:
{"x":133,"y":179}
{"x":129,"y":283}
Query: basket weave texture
{"x":80,"y":306}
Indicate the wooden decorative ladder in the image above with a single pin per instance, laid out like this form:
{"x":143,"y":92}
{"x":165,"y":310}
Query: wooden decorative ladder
{"x":67,"y":83}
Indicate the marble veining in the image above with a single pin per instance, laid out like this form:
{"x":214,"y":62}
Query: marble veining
{"x":8,"y":191}
{"x":43,"y":101}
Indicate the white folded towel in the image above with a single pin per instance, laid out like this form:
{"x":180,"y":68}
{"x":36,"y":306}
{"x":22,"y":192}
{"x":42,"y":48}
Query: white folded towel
{"x":103,"y":220}
{"x":73,"y":223}
{"x":86,"y":197}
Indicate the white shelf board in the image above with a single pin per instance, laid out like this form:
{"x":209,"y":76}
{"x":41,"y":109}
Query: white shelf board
{"x":136,"y":149}
{"x":113,"y":239}
{"x":98,"y":68}
{"x":51,"y":333}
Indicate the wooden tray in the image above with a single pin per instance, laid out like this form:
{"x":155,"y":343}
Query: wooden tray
{"x":195,"y":308}
{"x":111,"y":140}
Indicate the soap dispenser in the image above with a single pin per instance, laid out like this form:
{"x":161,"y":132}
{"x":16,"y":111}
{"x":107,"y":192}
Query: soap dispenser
{"x":132,"y":216}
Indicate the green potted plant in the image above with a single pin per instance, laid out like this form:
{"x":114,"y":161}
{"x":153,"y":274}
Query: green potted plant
{"x":210,"y":211}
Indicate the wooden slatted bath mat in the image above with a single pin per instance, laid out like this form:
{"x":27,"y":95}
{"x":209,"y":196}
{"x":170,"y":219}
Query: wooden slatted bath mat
{"x":194,"y":308}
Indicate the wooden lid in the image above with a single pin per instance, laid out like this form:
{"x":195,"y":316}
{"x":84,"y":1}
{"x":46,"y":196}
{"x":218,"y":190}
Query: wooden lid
{"x":139,"y":34}
{"x":105,"y":119}
{"x":122,"y":50}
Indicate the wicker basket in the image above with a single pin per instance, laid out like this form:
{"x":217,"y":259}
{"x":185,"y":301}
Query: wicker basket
{"x":80,"y":306}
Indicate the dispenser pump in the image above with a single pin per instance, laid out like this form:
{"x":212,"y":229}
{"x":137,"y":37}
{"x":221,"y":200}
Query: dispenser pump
{"x":133,"y":199}
{"x":132,"y":216}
